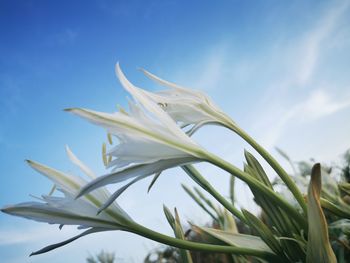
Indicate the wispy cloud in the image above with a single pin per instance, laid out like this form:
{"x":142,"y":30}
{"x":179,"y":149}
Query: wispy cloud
{"x":295,"y":94}
{"x":318,"y":105}
{"x":282,"y":103}
{"x":310,"y":47}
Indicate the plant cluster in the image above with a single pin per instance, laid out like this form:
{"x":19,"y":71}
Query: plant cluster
{"x":335,"y":178}
{"x":155,"y":135}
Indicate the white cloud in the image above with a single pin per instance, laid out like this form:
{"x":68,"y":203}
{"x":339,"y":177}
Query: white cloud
{"x":310,"y":48}
{"x":279,"y":108}
{"x":206,"y":72}
{"x":318,"y":105}
{"x":211,"y":70}
{"x":272,"y":121}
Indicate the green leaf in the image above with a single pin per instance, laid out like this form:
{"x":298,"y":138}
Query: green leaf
{"x":236,"y":239}
{"x":318,"y":246}
{"x":256,"y":166}
{"x":169,"y":217}
{"x":199,"y":202}
{"x":283,"y":154}
{"x":278,"y":217}
{"x":232,"y":189}
{"x":205,"y":199}
{"x":175,"y":224}
{"x":264,"y":232}
{"x":201,"y":181}
{"x":345,"y":187}
{"x":155,"y":178}
{"x":65,"y":242}
{"x":179,"y":233}
{"x":341,"y":209}
{"x":229,"y":223}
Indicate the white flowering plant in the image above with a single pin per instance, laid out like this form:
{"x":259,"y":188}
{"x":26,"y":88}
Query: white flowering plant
{"x":155,"y":135}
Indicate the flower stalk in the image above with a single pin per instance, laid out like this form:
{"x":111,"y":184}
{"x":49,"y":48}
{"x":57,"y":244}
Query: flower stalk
{"x":192,"y":107}
{"x":198,"y":178}
{"x":189,"y":245}
{"x":273,"y":163}
{"x":252,"y":182}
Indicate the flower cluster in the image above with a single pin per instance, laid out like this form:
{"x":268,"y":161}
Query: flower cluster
{"x":150,"y":140}
{"x":155,"y":135}
{"x":68,"y":211}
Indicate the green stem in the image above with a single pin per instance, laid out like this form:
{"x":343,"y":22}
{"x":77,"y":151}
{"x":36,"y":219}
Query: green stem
{"x":200,"y":203}
{"x":197,"y":177}
{"x":252,"y":182}
{"x":189,"y":245}
{"x":274,"y":164}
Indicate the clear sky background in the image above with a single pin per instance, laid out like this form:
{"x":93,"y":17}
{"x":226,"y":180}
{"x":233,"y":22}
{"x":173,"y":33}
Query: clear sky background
{"x":281,"y":69}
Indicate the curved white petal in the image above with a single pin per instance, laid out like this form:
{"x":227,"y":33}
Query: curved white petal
{"x":128,"y":127}
{"x":79,"y":163}
{"x":71,"y":184}
{"x":52,"y":215}
{"x":185,"y":105}
{"x":133,"y":171}
{"x":65,"y":242}
{"x":152,"y":107}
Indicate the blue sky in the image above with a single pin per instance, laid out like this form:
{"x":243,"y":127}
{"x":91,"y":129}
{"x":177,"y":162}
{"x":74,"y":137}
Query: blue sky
{"x":279,"y":68}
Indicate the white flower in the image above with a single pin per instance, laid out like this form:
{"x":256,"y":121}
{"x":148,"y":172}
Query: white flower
{"x":188,"y":106}
{"x":149,"y":140}
{"x":66,"y":210}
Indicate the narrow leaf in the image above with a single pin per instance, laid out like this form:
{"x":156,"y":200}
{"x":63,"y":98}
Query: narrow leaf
{"x":117,"y":193}
{"x":155,"y":178}
{"x":318,"y":246}
{"x":179,"y":233}
{"x":264,"y":232}
{"x":169,"y":217}
{"x":63,"y":243}
{"x":199,"y":202}
{"x":131,"y":172}
{"x":236,"y":239}
{"x":232,"y":189}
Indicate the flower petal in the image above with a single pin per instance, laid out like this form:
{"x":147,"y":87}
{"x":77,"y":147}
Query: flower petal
{"x":120,"y":125}
{"x":69,"y":183}
{"x":79,"y":163}
{"x":45,"y":213}
{"x":163,"y":82}
{"x":186,"y":105}
{"x":152,"y":107}
{"x":117,"y":193}
{"x":133,"y":171}
{"x":63,"y":243}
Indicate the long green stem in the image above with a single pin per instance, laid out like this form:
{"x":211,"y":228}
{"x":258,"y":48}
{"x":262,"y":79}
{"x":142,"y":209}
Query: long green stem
{"x":197,"y":177}
{"x":189,"y":245}
{"x":274,"y":164}
{"x":199,"y":202}
{"x":252,"y":182}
